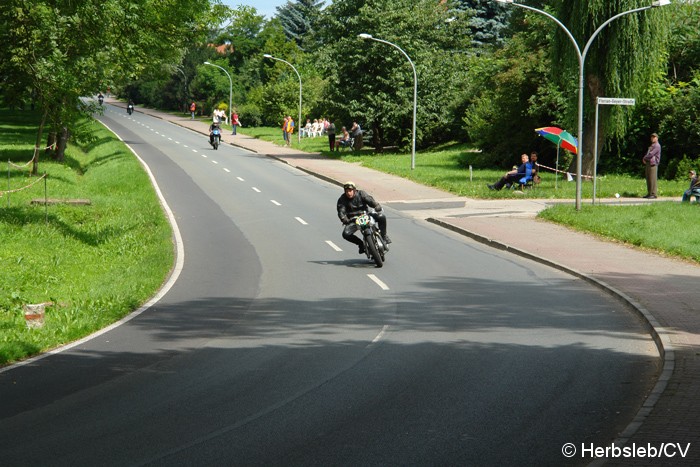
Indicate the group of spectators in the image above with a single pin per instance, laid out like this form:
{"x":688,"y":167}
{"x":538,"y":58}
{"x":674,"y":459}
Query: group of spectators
{"x":318,"y":127}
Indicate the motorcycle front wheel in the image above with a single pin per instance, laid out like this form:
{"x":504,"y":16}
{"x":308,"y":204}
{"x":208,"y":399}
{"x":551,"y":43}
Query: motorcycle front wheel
{"x":371,"y":245}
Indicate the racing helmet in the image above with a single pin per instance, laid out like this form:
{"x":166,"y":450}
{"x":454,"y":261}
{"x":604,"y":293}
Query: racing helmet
{"x":349,"y":186}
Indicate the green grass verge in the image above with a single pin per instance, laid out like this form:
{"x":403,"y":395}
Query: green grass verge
{"x":448,"y":167}
{"x":95,"y":263}
{"x":665,"y":227}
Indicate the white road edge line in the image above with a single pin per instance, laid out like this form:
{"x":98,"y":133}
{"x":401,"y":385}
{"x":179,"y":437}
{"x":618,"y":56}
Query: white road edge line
{"x":275,"y":202}
{"x":256,"y":190}
{"x":227,"y":170}
{"x":381,"y":334}
{"x":239,"y":178}
{"x":376,"y":280}
{"x":175,"y":274}
{"x":334,"y":246}
{"x":301,"y":221}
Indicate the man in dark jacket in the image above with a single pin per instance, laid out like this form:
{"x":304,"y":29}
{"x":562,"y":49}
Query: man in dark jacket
{"x":351,"y":204}
{"x":651,"y":161}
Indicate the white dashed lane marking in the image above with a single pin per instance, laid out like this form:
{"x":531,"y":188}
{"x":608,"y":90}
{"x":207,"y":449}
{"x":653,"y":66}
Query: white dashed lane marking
{"x":376,"y":280}
{"x":333,"y":245}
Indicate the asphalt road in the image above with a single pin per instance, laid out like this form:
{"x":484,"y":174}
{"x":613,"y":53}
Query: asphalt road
{"x":279,"y":345}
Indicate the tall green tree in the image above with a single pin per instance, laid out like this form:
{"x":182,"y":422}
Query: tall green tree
{"x":627,"y":57}
{"x":60,"y":50}
{"x":300,"y":19}
{"x":487,"y":21}
{"x":373,"y":82}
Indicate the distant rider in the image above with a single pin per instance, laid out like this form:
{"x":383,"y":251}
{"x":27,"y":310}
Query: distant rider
{"x":212,"y":127}
{"x":350,"y":205}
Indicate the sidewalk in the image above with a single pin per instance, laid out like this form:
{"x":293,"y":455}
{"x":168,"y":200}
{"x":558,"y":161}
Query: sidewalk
{"x":664,"y":291}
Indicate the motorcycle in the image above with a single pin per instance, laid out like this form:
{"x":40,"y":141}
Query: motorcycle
{"x":100,"y":99}
{"x":130,"y":109}
{"x":215,"y":138}
{"x":375,"y":248}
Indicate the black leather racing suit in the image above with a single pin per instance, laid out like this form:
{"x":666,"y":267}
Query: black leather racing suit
{"x":348,"y":208}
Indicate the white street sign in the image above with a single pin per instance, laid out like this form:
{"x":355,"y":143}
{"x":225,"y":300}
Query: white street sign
{"x":615,"y":101}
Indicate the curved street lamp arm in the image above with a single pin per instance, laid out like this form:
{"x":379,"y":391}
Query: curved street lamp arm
{"x":300,"y":91}
{"x":230,"y":89}
{"x":559,"y":23}
{"x":415,"y":92}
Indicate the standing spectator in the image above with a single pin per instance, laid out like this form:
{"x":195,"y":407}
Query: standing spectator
{"x":216,"y":116}
{"x":285,"y":136}
{"x":356,"y":133}
{"x":290,"y":129}
{"x":235,"y":122}
{"x":193,"y":107}
{"x":693,"y":189}
{"x":651,"y":161}
{"x":330,"y":131}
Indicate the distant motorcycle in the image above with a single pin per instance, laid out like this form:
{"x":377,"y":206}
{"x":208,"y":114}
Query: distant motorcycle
{"x":130,"y":109}
{"x":375,"y":248}
{"x":100,"y":99}
{"x":215,"y":138}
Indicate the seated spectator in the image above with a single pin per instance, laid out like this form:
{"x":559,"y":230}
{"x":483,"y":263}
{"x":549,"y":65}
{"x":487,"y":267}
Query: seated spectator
{"x":514,"y":175}
{"x":306,"y":129}
{"x":316,"y":128}
{"x":344,"y":140}
{"x":693,"y":189}
{"x":535,"y":175}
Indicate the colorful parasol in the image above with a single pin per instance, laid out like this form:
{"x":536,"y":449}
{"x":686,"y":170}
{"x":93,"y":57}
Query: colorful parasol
{"x":563,"y":139}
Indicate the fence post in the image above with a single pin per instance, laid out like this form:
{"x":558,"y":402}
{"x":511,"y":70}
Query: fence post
{"x":46,"y":200}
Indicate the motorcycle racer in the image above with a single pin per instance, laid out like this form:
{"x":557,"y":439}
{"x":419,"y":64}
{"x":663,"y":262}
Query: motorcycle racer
{"x":351,"y":204}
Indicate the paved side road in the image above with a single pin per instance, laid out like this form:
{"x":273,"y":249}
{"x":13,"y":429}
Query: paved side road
{"x":664,"y":291}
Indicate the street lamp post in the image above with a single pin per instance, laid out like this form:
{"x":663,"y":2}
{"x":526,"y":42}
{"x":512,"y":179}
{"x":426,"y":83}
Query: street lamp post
{"x":230,"y":89}
{"x":184,"y":97}
{"x":415,"y":93}
{"x":581,"y":61}
{"x":298,"y":76}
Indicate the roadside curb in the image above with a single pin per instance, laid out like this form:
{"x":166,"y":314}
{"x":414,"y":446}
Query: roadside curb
{"x":657,"y":332}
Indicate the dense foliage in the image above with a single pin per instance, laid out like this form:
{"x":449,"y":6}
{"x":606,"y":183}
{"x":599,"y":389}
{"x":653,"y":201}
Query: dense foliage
{"x":486,"y":73}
